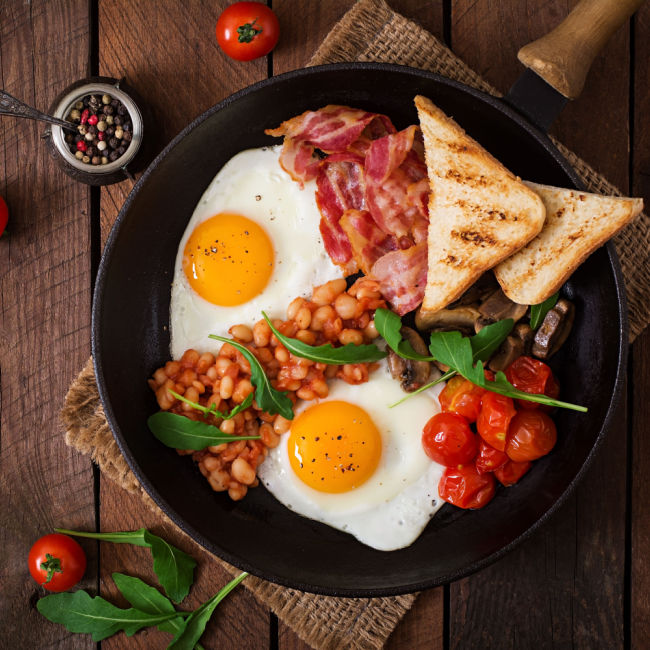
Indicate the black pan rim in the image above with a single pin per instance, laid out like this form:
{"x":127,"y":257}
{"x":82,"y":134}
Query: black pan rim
{"x":175,"y":516}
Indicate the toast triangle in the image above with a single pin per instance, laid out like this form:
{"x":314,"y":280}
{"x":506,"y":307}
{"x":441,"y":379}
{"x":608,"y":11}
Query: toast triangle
{"x":479,"y":212}
{"x":577,"y":223}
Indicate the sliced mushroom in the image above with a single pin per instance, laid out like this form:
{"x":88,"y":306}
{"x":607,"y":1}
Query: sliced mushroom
{"x":510,"y":349}
{"x":498,"y":307}
{"x":524,"y":332}
{"x":554,"y":329}
{"x":411,"y":374}
{"x":459,"y":318}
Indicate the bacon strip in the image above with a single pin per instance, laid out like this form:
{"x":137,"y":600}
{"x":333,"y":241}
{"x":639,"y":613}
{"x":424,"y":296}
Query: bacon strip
{"x":368,"y":242}
{"x":402,"y":277}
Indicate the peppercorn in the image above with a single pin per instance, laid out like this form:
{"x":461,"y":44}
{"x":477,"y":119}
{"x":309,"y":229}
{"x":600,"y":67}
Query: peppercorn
{"x":106,"y":99}
{"x":121,"y":149}
{"x":69,"y":138}
{"x":114,"y":143}
{"x":79,"y":154}
{"x":108,"y":110}
{"x":101,"y":145}
{"x":92,"y":119}
{"x":127,"y":126}
{"x":74,"y":115}
{"x":89,"y":136}
{"x":126,"y":137}
{"x":81,"y":145}
{"x":96,"y":160}
{"x":121,"y":110}
{"x":104,"y":160}
{"x":85,"y":159}
{"x":79,"y":105}
{"x":110,"y":130}
{"x":90,"y":151}
{"x":119,"y":132}
{"x":101,"y":126}
{"x":118,"y":120}
{"x":109,"y":119}
{"x":113,"y":156}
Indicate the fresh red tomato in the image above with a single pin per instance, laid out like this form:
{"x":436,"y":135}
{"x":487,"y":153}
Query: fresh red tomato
{"x":461,"y":396}
{"x":4,"y":215}
{"x":464,"y":487}
{"x":511,"y":472}
{"x":532,"y":376}
{"x":57,"y":562}
{"x":448,"y":440}
{"x":494,"y":419}
{"x":247,"y":30}
{"x":531,"y":435}
{"x":489,"y":459}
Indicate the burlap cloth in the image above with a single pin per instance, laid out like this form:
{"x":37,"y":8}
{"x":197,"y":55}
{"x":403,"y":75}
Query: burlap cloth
{"x":370,"y":31}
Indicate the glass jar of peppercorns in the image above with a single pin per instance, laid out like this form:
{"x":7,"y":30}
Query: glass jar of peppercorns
{"x":109,"y":129}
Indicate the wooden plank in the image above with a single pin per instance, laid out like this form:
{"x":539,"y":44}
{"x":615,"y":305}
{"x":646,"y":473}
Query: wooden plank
{"x":640,"y":413}
{"x":563,"y":586}
{"x":44,"y":315}
{"x":171,"y":57}
{"x":302,"y":32}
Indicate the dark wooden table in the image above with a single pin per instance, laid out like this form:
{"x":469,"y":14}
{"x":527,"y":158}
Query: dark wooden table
{"x":583,"y":580}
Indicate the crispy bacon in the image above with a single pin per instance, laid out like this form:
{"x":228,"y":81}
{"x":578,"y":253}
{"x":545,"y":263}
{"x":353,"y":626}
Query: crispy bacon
{"x":402,"y":277}
{"x":372,"y":193}
{"x":368,"y":242}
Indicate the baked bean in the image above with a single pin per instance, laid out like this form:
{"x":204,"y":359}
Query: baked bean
{"x":281,"y":354}
{"x":242,"y":333}
{"x":294,"y":307}
{"x":326,"y":293}
{"x":261,"y":334}
{"x":303,"y":318}
{"x":237,"y":491}
{"x":187,"y":377}
{"x":219,"y":480}
{"x":370,"y":331}
{"x":298,"y":371}
{"x":159,"y":377}
{"x":350,"y":336}
{"x":172,"y":368}
{"x":305,"y":393}
{"x":242,"y":390}
{"x":242,"y":471}
{"x":320,"y":387}
{"x":211,"y":463}
{"x":191,"y":394}
{"x":165,"y":398}
{"x":363,"y":320}
{"x":281,"y":424}
{"x":205,"y":361}
{"x":321,"y":316}
{"x":227,"y":426}
{"x":346,"y":306}
{"x":215,"y":399}
{"x":189,"y":358}
{"x":268,"y":436}
{"x":217,"y":449}
{"x":226,"y":387}
{"x":306,"y":336}
{"x":264,"y":355}
{"x":332,"y":329}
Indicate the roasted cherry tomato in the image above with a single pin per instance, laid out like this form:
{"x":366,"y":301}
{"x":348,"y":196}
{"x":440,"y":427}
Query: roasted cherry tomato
{"x":494,"y":419}
{"x":4,"y":215}
{"x":464,"y":487}
{"x":448,"y":440}
{"x":461,"y":396}
{"x":489,"y":459}
{"x":57,"y":562}
{"x":531,"y":435}
{"x":532,"y":376}
{"x":511,"y":472}
{"x":247,"y":30}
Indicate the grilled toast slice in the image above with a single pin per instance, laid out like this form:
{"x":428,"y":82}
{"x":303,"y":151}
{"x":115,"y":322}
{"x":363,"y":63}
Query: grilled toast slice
{"x":479,"y":212}
{"x":577,"y":223}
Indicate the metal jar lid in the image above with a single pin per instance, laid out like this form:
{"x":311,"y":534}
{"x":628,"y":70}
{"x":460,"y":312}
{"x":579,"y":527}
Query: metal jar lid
{"x":112,"y":172}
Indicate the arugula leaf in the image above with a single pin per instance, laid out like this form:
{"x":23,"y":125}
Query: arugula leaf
{"x":79,"y":612}
{"x":211,"y":410}
{"x":173,"y":567}
{"x":197,"y":620}
{"x":388,"y":325}
{"x":487,"y":340}
{"x":327,"y":353}
{"x":538,"y":312}
{"x":452,"y":349}
{"x":180,"y":432}
{"x":268,"y":398}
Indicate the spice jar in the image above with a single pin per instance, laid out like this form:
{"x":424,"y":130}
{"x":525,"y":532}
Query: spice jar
{"x":102,"y":108}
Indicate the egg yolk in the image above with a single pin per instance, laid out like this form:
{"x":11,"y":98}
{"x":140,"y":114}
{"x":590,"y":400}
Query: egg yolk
{"x":228,"y":259}
{"x":334,"y":446}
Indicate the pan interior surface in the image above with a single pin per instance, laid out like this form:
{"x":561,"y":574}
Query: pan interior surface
{"x":131,"y":339}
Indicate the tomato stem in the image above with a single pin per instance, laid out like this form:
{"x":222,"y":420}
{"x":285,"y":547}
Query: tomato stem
{"x":247,"y":32}
{"x":52,"y":565}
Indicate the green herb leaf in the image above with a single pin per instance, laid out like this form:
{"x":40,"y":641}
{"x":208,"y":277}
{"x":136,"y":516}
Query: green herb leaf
{"x":268,"y":398}
{"x":179,"y":432}
{"x":149,"y":600}
{"x":452,"y":349}
{"x":538,"y":312}
{"x":211,"y":410}
{"x":487,"y":340}
{"x":173,"y":567}
{"x":79,"y":612}
{"x":389,"y":326}
{"x":327,"y":353}
{"x":197,"y":620}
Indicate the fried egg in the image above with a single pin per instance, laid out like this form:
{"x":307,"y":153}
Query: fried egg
{"x":355,"y":464}
{"x":253,"y":243}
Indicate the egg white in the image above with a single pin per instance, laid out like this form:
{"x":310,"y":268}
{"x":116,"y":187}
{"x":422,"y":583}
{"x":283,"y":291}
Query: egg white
{"x":253,"y":184}
{"x":389,"y":510}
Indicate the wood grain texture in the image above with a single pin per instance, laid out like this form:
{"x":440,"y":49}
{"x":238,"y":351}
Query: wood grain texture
{"x":640,"y":362}
{"x":564,"y":586}
{"x":44,"y":315}
{"x":171,"y":58}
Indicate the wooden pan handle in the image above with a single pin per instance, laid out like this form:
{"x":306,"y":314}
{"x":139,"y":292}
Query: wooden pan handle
{"x":563,"y":57}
